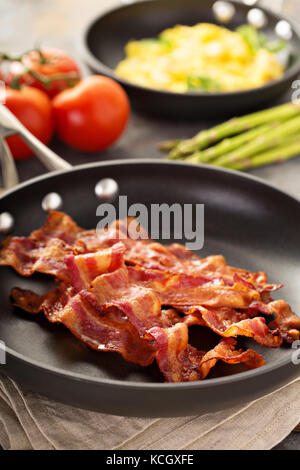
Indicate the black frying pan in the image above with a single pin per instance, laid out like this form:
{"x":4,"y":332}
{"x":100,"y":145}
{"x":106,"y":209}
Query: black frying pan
{"x":104,"y":39}
{"x":254,"y":225}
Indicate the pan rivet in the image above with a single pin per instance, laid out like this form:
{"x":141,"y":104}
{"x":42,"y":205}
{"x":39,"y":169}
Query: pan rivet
{"x":257,"y":18}
{"x":52,"y":201}
{"x":283,"y":30}
{"x":6,"y":222}
{"x":107,"y":189}
{"x":250,"y":3}
{"x":223,"y":11}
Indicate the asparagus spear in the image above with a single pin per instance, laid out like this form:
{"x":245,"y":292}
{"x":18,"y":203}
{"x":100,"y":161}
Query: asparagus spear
{"x":168,"y":145}
{"x":228,"y":145}
{"x":234,"y":126}
{"x":270,"y":139}
{"x":281,"y":153}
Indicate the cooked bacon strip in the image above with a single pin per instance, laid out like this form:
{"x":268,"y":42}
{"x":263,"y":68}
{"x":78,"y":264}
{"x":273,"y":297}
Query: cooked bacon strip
{"x":259,"y":306}
{"x":193,"y":317}
{"x":141,"y":293}
{"x":177,"y":360}
{"x":164,"y":258}
{"x":257,"y":329}
{"x":110,"y":331}
{"x":286,"y":320}
{"x":142,"y":306}
{"x":217,"y":264}
{"x":177,"y":259}
{"x":30,"y":301}
{"x":58,"y":225}
{"x":46,"y":248}
{"x":143,"y":252}
{"x":106,"y":331}
{"x":254,"y":281}
{"x":85,"y":268}
{"x":152,"y":255}
{"x":27,"y":256}
{"x":228,"y":323}
{"x":225,"y":351}
{"x":181,"y":252}
{"x":171,"y":316}
{"x":52,"y":303}
{"x":181,"y":362}
{"x":181,"y":290}
{"x":119,"y":230}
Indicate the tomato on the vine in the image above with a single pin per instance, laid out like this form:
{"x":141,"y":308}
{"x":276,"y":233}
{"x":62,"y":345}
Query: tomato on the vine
{"x":92,"y":115}
{"x":49,"y":69}
{"x":34,"y":109}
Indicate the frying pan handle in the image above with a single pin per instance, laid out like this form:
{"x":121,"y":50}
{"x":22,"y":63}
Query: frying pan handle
{"x":10,"y":125}
{"x":9,"y":171}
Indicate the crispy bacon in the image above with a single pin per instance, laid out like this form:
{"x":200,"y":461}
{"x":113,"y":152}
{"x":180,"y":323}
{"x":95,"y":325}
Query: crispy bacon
{"x":109,"y":331}
{"x":152,"y":255}
{"x":51,"y":303}
{"x":58,"y":225}
{"x":180,"y":290}
{"x":120,"y":230}
{"x":181,"y":362}
{"x":177,"y":259}
{"x":225,"y":351}
{"x":106,"y":331}
{"x":286,"y":320}
{"x":140,"y":294}
{"x":177,"y":360}
{"x":45,"y":249}
{"x":141,"y":305}
{"x":181,"y":252}
{"x":27,"y":256}
{"x":229,"y":323}
{"x":85,"y":268}
{"x":136,"y":296}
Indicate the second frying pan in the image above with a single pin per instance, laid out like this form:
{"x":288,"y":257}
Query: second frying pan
{"x":105,"y":37}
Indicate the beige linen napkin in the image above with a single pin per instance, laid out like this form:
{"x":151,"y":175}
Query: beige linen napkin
{"x":31,"y":421}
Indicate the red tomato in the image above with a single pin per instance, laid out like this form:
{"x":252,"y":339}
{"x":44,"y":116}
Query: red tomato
{"x":51,"y":65}
{"x":34,"y":109}
{"x":92,"y":115}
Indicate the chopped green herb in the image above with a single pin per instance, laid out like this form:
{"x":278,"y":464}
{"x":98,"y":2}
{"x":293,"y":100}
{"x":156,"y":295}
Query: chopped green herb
{"x":196,"y":82}
{"x":274,"y":45}
{"x":257,"y":40}
{"x":250,"y":36}
{"x":160,"y":41}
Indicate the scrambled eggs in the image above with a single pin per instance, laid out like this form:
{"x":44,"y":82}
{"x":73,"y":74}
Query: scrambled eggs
{"x":204,"y":57}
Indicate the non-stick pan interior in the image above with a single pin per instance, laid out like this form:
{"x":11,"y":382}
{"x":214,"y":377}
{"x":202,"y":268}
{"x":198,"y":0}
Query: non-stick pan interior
{"x":253,"y":225}
{"x":109,"y":34}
